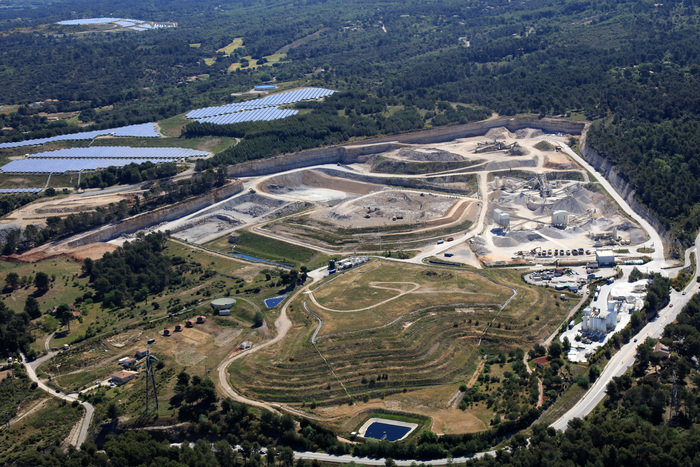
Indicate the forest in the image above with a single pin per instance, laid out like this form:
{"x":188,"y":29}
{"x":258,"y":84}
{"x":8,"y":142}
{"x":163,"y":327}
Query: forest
{"x":631,"y":67}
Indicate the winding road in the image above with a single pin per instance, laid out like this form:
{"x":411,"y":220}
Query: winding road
{"x":85,"y":422}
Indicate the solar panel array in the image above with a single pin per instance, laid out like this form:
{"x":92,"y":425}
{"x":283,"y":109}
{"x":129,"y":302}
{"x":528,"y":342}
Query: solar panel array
{"x":12,"y":191}
{"x":134,"y":24}
{"x":261,"y":115}
{"x":144,"y":130}
{"x":76,"y":159}
{"x":79,"y":22}
{"x":269,"y":101}
{"x":118,"y":152}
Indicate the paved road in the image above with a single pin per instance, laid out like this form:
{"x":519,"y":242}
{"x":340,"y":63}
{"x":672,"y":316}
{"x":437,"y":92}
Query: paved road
{"x":89,"y":409}
{"x":658,"y":260}
{"x":283,"y":325}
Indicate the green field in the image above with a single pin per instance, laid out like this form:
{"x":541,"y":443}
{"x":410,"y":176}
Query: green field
{"x":253,"y":63}
{"x":211,"y":144}
{"x":236,"y":44}
{"x":271,"y":249}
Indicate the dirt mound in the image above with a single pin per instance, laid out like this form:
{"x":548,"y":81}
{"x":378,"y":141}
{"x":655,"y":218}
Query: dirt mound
{"x":526,"y":236}
{"x":552,"y":232}
{"x":505,"y":242}
{"x":505,"y":165}
{"x":429,"y":155}
{"x":570,"y":205}
{"x":314,"y":179}
{"x":528,"y":133}
{"x":499,"y":133}
{"x":43,"y":252}
{"x":519,"y":151}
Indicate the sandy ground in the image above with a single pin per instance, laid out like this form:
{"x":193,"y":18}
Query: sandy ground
{"x":36,"y":213}
{"x":431,"y":402}
{"x":91,"y":250}
{"x":390,"y":207}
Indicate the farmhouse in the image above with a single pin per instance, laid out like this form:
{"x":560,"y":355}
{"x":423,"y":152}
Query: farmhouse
{"x":661,"y":350}
{"x":123,"y":376}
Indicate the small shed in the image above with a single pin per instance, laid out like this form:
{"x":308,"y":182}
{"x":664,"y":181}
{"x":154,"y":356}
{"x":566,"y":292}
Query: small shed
{"x":178,"y":327}
{"x":201,"y":319}
{"x":167,"y":332}
{"x":189,"y":323}
{"x":128,"y":362}
{"x":605,"y":258}
{"x":140,"y":353}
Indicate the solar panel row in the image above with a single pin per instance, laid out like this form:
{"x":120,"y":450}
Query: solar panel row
{"x":269,"y":101}
{"x":75,"y":159}
{"x":69,"y":165}
{"x":77,"y":22}
{"x":19,"y":190}
{"x":112,"y":152}
{"x":262,"y":115}
{"x":128,"y":23}
{"x":144,"y":130}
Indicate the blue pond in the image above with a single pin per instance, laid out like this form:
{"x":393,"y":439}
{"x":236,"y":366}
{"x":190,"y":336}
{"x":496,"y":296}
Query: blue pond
{"x":274,"y":301}
{"x":258,"y":260}
{"x":378,"y":430}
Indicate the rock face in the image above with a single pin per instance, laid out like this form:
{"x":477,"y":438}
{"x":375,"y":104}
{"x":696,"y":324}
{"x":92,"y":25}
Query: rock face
{"x":164,"y":214}
{"x":351,"y":153}
{"x":603,"y":166}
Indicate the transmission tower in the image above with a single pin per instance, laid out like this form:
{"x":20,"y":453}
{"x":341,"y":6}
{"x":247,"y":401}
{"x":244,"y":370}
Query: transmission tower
{"x":150,"y":378}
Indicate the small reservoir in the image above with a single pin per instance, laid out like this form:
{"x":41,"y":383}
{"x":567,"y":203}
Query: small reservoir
{"x":390,"y":430}
{"x":274,"y":301}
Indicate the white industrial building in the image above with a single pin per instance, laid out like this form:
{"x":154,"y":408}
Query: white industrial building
{"x":502,"y":218}
{"x":605,"y":258}
{"x":560,"y":218}
{"x":599,"y":321}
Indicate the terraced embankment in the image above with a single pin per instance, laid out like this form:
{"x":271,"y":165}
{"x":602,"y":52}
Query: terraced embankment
{"x":423,"y":337}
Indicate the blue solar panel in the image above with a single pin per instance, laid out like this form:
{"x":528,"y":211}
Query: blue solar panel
{"x":77,"y":22}
{"x":144,"y":130}
{"x":76,"y":159}
{"x":119,"y":152}
{"x":273,"y":100}
{"x":258,"y":115}
{"x":12,"y":191}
